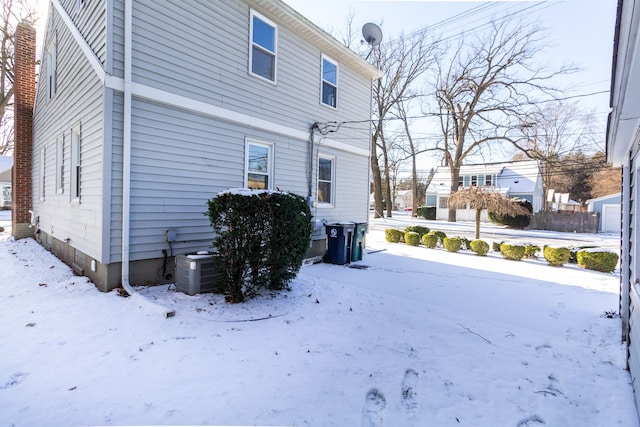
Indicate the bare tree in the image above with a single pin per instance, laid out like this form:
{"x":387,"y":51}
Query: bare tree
{"x":402,"y":63}
{"x":483,"y":88}
{"x":480,"y":198}
{"x":554,"y":134}
{"x":11,"y":13}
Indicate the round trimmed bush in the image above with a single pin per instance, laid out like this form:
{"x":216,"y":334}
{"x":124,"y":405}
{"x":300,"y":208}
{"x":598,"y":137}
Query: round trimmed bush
{"x":412,"y":238}
{"x":479,"y":247}
{"x":1,"y":229}
{"x":392,"y":235}
{"x":512,"y":251}
{"x":556,"y":255}
{"x":452,"y":244}
{"x":420,"y":229}
{"x":429,"y":240}
{"x":598,"y":260}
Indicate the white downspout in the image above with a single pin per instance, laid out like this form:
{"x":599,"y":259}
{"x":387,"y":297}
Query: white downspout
{"x":126,"y":168}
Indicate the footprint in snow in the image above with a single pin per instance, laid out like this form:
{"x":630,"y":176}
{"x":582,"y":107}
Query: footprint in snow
{"x":373,"y":409}
{"x":14,"y":380}
{"x":410,"y":392}
{"x":531,"y":421}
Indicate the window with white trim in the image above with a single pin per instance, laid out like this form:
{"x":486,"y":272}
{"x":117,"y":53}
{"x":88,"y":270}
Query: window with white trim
{"x":326,"y":174}
{"x":259,"y":166}
{"x":329,"y":90}
{"x":51,"y":70}
{"x":41,"y":185}
{"x":60,"y":165}
{"x":75,"y":165}
{"x":262,"y":55}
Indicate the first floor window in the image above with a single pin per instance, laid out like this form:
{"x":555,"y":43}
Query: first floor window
{"x":75,"y":164}
{"x":443,"y":202}
{"x":42,"y":172}
{"x":325,"y":180}
{"x":259,"y":166}
{"x":60,"y":165}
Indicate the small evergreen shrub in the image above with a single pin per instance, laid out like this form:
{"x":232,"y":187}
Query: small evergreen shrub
{"x":496,"y":246}
{"x":518,"y":221}
{"x":420,"y":229}
{"x":429,"y":240}
{"x":261,"y":238}
{"x":556,"y":255}
{"x":512,"y":251}
{"x":479,"y":247}
{"x":1,"y":229}
{"x":452,"y":244}
{"x":392,"y":235}
{"x":411,"y":238}
{"x":440,"y":235}
{"x":573,"y":253}
{"x":531,"y":251}
{"x":465,"y":243}
{"x":427,"y":212}
{"x":598,"y":260}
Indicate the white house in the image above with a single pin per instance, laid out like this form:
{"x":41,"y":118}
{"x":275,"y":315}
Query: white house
{"x":144,"y":110}
{"x":521,"y":179}
{"x":623,"y":148}
{"x":6,"y":165}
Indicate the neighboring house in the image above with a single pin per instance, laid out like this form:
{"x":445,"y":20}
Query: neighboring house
{"x":514,"y":179}
{"x":404,"y":200}
{"x":562,"y":203}
{"x":623,"y":149}
{"x":6,"y":165}
{"x":144,"y":110}
{"x":608,"y":207}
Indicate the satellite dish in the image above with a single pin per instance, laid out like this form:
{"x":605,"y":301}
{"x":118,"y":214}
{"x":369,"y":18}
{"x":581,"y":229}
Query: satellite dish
{"x":372,"y":34}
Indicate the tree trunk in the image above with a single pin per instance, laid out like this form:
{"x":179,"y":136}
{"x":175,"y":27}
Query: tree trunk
{"x":455,"y":175}
{"x":478,"y":214}
{"x":377,"y":180}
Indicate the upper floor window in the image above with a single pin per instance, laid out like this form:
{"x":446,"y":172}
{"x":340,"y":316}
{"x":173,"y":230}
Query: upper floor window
{"x":262,"y":58}
{"x":474,"y":180}
{"x":325,"y":180}
{"x":488,"y":180}
{"x":60,"y":165}
{"x":51,"y":69}
{"x":75,"y":165}
{"x":259,"y":166}
{"x":329,"y":82}
{"x":42,"y":183}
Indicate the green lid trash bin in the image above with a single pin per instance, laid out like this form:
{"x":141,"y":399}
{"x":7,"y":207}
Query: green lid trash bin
{"x":359,"y":236}
{"x":339,"y":241}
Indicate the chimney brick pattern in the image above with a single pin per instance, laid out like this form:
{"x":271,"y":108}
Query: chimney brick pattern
{"x":23,"y":100}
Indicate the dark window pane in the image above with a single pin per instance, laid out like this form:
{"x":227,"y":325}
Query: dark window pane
{"x":257,"y":182}
{"x":263,"y":63}
{"x":324,"y":192}
{"x":264,"y":34}
{"x":324,"y":169}
{"x":328,"y":94}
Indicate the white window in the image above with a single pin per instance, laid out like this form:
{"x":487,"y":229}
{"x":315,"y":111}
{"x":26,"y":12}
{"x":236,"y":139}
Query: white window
{"x":326,"y":174}
{"x":51,"y":70}
{"x":41,"y":185}
{"x":75,"y":165}
{"x":259,"y":166}
{"x":329,"y":89}
{"x":262,"y":55}
{"x":488,"y":180}
{"x":474,"y":180}
{"x":60,"y":165}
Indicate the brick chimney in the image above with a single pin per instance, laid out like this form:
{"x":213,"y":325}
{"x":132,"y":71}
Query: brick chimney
{"x":23,"y":98}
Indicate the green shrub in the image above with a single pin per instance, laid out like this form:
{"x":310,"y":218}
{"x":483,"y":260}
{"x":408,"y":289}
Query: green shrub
{"x":1,"y":229}
{"x":518,"y":221}
{"x":496,"y":246}
{"x":430,"y":240}
{"x":420,"y":229}
{"x":573,"y":256}
{"x":512,"y":251}
{"x":392,"y":235}
{"x":479,"y":247}
{"x":452,"y":244}
{"x":531,"y":250}
{"x":465,"y":243}
{"x":427,"y":212}
{"x":598,"y":260}
{"x":556,"y":255}
{"x":411,"y":238}
{"x":262,"y":238}
{"x":440,"y":235}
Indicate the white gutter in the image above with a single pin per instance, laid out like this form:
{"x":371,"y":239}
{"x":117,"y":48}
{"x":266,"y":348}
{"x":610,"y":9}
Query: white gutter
{"x":126,"y":169}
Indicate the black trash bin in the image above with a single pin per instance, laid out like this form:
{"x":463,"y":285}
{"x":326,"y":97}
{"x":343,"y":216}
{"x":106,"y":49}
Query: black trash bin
{"x":359,"y":235}
{"x":339,"y":240}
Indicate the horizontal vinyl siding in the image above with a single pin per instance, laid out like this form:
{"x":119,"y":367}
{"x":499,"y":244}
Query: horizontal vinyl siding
{"x":200,"y":50}
{"x":90,"y":20}
{"x":78,"y":102}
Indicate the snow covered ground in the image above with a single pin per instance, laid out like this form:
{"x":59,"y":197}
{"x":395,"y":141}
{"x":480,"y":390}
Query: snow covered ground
{"x":420,"y":338}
